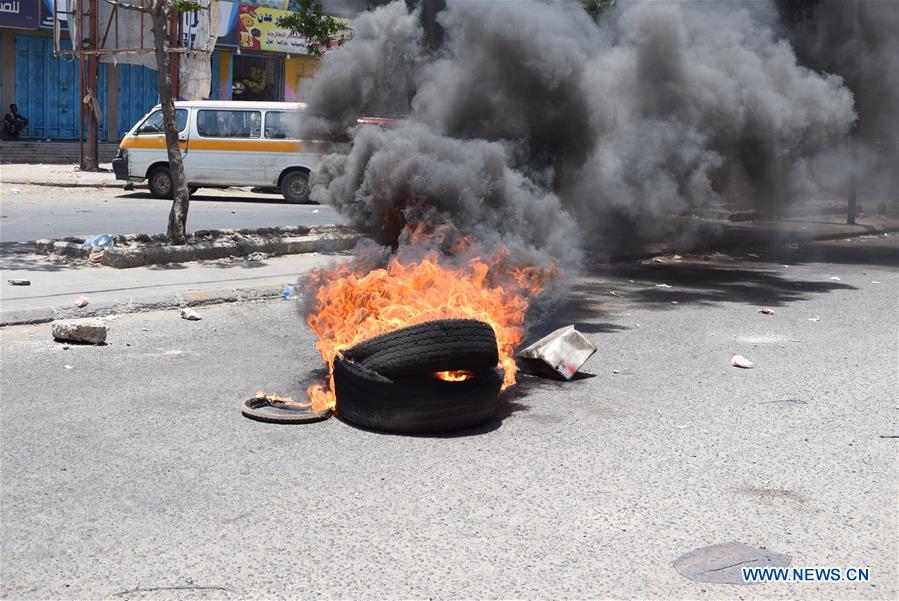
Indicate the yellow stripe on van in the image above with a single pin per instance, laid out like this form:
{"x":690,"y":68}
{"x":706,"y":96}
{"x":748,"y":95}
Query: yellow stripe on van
{"x":147,"y":142}
{"x":224,"y":144}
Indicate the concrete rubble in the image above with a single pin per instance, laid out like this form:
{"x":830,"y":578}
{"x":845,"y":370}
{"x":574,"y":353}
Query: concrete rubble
{"x":92,"y":331}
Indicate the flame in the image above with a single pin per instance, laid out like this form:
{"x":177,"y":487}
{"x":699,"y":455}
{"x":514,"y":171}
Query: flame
{"x":353,"y":304}
{"x":280,"y":399}
{"x":458,"y":375}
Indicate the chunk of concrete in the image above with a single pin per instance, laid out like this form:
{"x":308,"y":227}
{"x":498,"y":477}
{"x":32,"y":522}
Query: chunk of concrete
{"x":92,"y":331}
{"x":559,"y":354}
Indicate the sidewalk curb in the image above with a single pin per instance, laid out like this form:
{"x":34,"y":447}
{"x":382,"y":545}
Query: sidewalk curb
{"x":158,"y":302}
{"x":63,"y":184}
{"x":290,"y":240}
{"x":213,"y":296}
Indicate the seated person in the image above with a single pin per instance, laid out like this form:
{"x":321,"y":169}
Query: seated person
{"x":13,"y":123}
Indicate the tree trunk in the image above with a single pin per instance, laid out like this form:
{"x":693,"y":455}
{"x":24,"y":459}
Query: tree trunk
{"x":177,"y":228}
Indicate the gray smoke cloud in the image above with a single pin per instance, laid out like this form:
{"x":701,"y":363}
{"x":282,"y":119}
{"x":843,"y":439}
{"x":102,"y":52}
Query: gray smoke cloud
{"x":536,"y":127}
{"x":856,"y":40}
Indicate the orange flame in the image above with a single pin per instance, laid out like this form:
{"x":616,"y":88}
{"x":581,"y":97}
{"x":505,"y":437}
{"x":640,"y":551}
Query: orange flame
{"x":458,"y":375}
{"x":353,"y":306}
{"x":287,"y":400}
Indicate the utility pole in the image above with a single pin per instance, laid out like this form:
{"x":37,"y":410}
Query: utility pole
{"x":853,"y":135}
{"x":90,"y":67}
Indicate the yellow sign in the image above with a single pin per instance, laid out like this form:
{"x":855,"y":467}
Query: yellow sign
{"x":259,"y":29}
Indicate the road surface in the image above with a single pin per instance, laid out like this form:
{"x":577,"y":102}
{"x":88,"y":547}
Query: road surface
{"x":133,"y":474}
{"x":54,"y":212}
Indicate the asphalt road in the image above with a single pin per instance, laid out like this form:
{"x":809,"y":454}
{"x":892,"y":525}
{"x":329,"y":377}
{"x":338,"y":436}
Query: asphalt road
{"x":134,"y":475}
{"x":50,"y":212}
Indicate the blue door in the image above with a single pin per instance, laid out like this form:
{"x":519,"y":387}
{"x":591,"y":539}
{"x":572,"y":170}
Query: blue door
{"x":48,"y":90}
{"x":138,"y":93}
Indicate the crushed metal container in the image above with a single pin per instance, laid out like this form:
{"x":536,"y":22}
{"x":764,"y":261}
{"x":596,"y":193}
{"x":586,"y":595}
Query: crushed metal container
{"x":559,"y":354}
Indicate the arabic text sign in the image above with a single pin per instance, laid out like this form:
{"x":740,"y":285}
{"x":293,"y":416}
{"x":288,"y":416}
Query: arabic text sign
{"x":259,"y":29}
{"x":24,"y":14}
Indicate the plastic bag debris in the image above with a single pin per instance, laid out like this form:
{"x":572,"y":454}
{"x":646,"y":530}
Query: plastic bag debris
{"x":559,"y":354}
{"x":766,"y":311}
{"x":753,"y":255}
{"x":815,"y":318}
{"x":82,"y":301}
{"x":663,"y":285}
{"x":874,"y":282}
{"x":190,"y":315}
{"x":15,"y":190}
{"x":741,"y":361}
{"x":99,"y":241}
{"x":19,"y":282}
{"x":256,"y":256}
{"x":289,"y":292}
{"x":835,"y":278}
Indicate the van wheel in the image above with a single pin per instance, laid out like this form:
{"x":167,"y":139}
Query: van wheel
{"x":160,"y":182}
{"x":295,"y":187}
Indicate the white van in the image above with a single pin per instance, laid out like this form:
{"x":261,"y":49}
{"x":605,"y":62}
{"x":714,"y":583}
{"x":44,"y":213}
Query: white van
{"x":224,"y":143}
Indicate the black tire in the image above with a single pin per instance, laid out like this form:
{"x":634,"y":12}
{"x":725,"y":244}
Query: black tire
{"x":439,"y":345}
{"x":421,"y":405}
{"x":160,"y":182}
{"x":295,"y":187}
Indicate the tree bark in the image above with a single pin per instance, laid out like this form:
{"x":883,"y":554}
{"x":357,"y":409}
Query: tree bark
{"x":177,"y":227}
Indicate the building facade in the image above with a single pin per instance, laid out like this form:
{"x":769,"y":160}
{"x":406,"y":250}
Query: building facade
{"x":253,"y":60}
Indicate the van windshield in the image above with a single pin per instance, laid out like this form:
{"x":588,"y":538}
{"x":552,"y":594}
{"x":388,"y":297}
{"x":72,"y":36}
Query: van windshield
{"x":154,"y":125}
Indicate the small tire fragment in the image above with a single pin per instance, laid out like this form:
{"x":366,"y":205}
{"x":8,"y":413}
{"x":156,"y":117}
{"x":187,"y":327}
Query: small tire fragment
{"x":263,"y":410}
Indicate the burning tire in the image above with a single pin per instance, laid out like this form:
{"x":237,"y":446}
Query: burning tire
{"x":440,"y":345}
{"x":414,"y":405}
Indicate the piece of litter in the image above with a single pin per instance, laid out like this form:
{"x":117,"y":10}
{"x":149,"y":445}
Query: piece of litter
{"x":741,"y":361}
{"x":677,"y":257}
{"x":681,"y":427}
{"x":256,"y":256}
{"x":784,"y":265}
{"x":815,"y":318}
{"x":753,"y":255}
{"x":874,"y":282}
{"x":560,"y":353}
{"x":68,"y":367}
{"x":315,"y":211}
{"x":663,"y":285}
{"x":766,"y":311}
{"x":19,"y":282}
{"x":15,"y":190}
{"x":614,"y":293}
{"x":656,"y":260}
{"x":835,"y":278}
{"x":793,"y":245}
{"x":96,"y":255}
{"x":674,"y":302}
{"x":190,"y":315}
{"x":615,"y":371}
{"x":82,"y":301}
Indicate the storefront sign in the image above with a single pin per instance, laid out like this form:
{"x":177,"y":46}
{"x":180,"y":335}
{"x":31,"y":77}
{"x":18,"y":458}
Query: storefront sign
{"x":258,"y":27}
{"x":24,"y":14}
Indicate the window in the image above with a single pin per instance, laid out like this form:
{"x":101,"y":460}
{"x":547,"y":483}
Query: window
{"x":280,"y":124}
{"x":229,"y":124}
{"x":153,"y":124}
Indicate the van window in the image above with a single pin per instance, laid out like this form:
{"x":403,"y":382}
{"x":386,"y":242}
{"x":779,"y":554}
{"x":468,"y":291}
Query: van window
{"x":281,"y":124}
{"x":229,"y":124}
{"x":153,"y":123}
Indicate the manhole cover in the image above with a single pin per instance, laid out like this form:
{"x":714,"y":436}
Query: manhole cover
{"x":264,"y":409}
{"x":723,"y":564}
